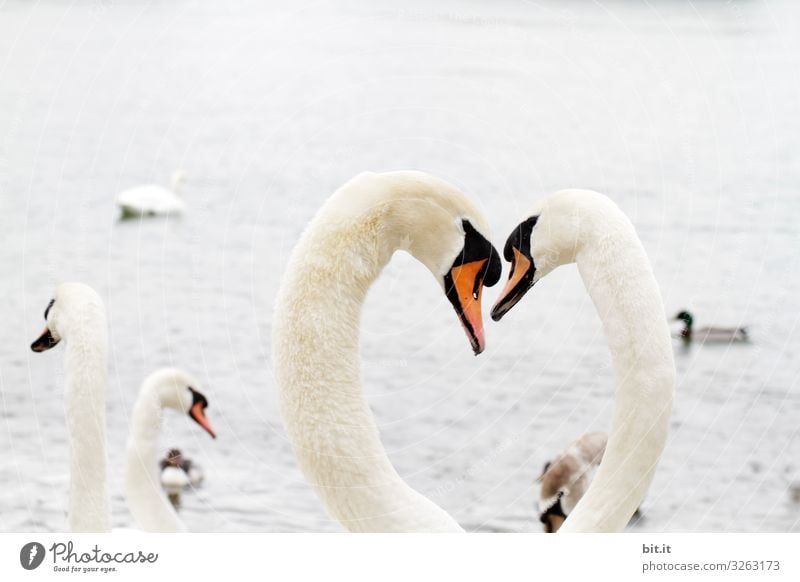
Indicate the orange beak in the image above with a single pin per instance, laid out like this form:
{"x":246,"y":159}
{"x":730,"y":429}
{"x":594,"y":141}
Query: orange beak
{"x":520,"y":280}
{"x":198,"y":413}
{"x":465,"y":295}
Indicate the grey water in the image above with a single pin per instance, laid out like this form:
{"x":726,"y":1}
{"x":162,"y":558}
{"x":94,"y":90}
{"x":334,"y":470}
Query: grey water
{"x":685,"y":113}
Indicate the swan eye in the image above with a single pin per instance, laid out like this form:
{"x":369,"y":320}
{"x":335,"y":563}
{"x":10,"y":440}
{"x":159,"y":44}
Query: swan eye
{"x":49,"y":307}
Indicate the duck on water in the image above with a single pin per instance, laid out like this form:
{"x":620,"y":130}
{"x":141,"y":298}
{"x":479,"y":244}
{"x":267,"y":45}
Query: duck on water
{"x":709,"y":334}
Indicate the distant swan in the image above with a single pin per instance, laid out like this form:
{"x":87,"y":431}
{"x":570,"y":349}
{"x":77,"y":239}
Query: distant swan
{"x":153,"y":199}
{"x":710,"y":334}
{"x":316,"y":334}
{"x":147,"y":501}
{"x":587,"y":228}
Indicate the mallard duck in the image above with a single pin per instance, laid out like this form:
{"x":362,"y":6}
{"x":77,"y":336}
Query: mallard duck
{"x":178,"y":473}
{"x":710,"y":334}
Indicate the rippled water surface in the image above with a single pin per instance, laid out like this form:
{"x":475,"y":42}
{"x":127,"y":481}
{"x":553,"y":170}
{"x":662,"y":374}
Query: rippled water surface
{"x":685,"y":113}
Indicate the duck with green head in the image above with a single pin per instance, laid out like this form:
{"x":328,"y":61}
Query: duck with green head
{"x":709,"y":333}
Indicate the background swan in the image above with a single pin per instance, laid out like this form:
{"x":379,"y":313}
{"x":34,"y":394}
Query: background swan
{"x":77,"y":316}
{"x":587,"y":228}
{"x":316,"y":333}
{"x":147,"y":501}
{"x":153,"y":199}
{"x":566,"y":479}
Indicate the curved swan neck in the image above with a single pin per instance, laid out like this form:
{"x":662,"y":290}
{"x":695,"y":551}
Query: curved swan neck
{"x":620,"y":281}
{"x":85,"y":408}
{"x":316,"y":337}
{"x":147,"y":501}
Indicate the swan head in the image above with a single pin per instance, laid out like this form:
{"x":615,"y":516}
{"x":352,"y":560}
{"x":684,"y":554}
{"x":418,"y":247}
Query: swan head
{"x":438,"y":225}
{"x":455,"y":247}
{"x":552,"y":235}
{"x":177,"y":390}
{"x":476,"y":265}
{"x":74,"y":306}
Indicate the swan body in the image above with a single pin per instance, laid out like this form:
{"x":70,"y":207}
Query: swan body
{"x":710,"y":334}
{"x":587,"y":228}
{"x":167,"y":388}
{"x":566,"y":479}
{"x":316,"y":334}
{"x":77,"y":316}
{"x":152,"y":199}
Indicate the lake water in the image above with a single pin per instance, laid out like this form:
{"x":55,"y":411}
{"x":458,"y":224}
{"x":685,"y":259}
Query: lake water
{"x":684,"y":113}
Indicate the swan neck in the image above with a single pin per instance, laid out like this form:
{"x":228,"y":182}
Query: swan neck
{"x":85,"y":410}
{"x":147,"y":501}
{"x":620,"y":281}
{"x":315,"y":352}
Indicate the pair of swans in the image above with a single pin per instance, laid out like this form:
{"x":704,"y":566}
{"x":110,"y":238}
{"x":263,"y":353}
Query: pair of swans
{"x":77,"y":316}
{"x":316,"y":335}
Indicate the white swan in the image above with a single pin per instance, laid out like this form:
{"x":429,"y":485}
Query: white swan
{"x":565,"y":479}
{"x":316,"y":329}
{"x":147,"y":501}
{"x":77,"y":316}
{"x":587,"y":228}
{"x":153,"y":199}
